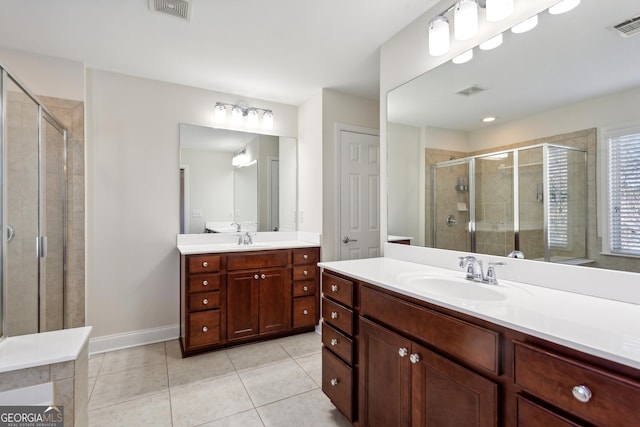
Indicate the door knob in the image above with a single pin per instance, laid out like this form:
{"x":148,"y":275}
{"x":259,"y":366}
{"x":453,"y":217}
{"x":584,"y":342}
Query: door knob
{"x":414,"y":358}
{"x":346,"y":239}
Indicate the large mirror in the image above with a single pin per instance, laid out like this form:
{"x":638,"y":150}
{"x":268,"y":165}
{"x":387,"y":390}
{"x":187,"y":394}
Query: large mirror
{"x":232,"y":180}
{"x":565,"y":82}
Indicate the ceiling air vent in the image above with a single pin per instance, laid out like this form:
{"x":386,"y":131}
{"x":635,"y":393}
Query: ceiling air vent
{"x":471,"y":90}
{"x":178,"y":8}
{"x":628,"y":28}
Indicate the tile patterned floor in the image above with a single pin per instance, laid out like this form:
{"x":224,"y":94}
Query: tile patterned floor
{"x":269,"y":384}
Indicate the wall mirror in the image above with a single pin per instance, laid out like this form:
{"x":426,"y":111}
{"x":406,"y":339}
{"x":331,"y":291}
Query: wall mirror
{"x":551,"y":85}
{"x":230,"y":178}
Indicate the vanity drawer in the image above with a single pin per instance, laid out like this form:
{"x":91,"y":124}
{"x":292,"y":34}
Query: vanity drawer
{"x":306,"y":256}
{"x":304,"y":272}
{"x":204,"y":328}
{"x":304,"y":288}
{"x":203,"y":282}
{"x":338,"y":343}
{"x":266,"y":259}
{"x":204,"y":301}
{"x":304,"y":311}
{"x":337,"y":315}
{"x":204,"y":263}
{"x":614,"y":400}
{"x":337,"y":289}
{"x":337,"y":383}
{"x":471,"y":343}
{"x":532,"y":415}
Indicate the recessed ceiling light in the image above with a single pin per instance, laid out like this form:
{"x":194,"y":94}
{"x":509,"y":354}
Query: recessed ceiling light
{"x":489,"y":119}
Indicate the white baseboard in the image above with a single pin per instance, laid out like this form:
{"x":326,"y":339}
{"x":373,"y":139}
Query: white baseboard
{"x":133,"y":339}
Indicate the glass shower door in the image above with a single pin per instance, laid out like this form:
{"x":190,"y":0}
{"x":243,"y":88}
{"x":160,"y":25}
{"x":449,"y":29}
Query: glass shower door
{"x":451,"y":206}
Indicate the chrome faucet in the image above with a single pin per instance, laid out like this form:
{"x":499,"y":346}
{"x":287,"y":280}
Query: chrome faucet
{"x":473,"y":266}
{"x":238,"y":226}
{"x":245,"y":239}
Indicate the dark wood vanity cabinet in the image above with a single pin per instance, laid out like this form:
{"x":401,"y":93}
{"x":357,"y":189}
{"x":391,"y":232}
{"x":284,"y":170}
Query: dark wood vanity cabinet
{"x":418,"y":364}
{"x":230,"y":298}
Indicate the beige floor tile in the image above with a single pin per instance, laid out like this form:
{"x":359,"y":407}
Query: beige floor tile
{"x":243,"y":419}
{"x":130,"y":358}
{"x":196,"y":368}
{"x":95,"y":362}
{"x":275,"y":382}
{"x":312,"y":365}
{"x":255,"y":355}
{"x":154,"y":410}
{"x":121,"y":386}
{"x":302,"y":345}
{"x":311,"y":409}
{"x":207,"y":401}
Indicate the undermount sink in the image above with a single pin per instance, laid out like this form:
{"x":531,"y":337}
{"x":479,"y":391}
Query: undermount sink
{"x":451,"y":287}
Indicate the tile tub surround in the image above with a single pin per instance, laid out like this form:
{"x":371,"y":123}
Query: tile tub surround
{"x":58,"y":357}
{"x":273,"y":383}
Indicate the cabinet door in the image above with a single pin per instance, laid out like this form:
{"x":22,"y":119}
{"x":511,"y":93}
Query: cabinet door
{"x":275,"y":301}
{"x":384,"y":377}
{"x":444,"y":394}
{"x":242,"y":304}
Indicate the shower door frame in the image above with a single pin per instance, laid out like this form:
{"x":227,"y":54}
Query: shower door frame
{"x":40,"y":247}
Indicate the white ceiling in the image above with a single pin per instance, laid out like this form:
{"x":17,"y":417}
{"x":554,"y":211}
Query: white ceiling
{"x":278,"y":50}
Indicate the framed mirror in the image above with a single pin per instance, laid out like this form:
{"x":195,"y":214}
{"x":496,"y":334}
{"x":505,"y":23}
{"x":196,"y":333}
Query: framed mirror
{"x":232,"y":180}
{"x":565,"y":82}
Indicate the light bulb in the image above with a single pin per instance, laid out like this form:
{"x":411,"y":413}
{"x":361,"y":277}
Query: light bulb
{"x":563,"y":6}
{"x":267,"y":119}
{"x":526,"y":25}
{"x":465,"y":19}
{"x":220,"y":113}
{"x":439,"y":36}
{"x":252,"y":117}
{"x":492,"y":43}
{"x":236,"y":115}
{"x":464,"y":57}
{"x":497,"y":10}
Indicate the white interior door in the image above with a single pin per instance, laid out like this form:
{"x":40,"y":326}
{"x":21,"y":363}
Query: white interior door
{"x":359,"y":195}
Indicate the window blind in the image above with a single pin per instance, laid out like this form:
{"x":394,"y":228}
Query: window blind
{"x":558,"y":204}
{"x":624,"y":194}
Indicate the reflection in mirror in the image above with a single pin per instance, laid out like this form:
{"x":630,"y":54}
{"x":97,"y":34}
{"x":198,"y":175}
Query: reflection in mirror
{"x":547,"y":86}
{"x":220,"y":191}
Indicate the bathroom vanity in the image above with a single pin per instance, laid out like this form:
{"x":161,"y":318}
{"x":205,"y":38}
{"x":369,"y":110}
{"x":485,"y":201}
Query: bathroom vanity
{"x":400,"y":350}
{"x":232,"y":294}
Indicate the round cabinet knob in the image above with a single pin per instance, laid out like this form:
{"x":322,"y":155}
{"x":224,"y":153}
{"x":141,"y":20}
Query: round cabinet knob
{"x":334,"y":341}
{"x":264,"y":276}
{"x":305,"y":256}
{"x":414,"y":358}
{"x":205,"y":283}
{"x":256,"y":277}
{"x":334,"y":314}
{"x":582,"y":393}
{"x":205,"y":329}
{"x":334,"y":288}
{"x":205,"y":264}
{"x":205,"y":301}
{"x":305,"y":288}
{"x":403,"y":351}
{"x":305,"y":272}
{"x":305,"y":312}
{"x":334,"y":382}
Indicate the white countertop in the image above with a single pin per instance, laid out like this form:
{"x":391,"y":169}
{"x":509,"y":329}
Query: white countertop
{"x":190,"y":244}
{"x":599,"y":326}
{"x":27,"y":351}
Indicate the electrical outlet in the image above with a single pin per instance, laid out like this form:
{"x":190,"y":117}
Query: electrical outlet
{"x":300,"y":217}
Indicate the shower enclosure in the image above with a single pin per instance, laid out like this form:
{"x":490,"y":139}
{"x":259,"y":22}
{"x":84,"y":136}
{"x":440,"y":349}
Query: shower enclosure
{"x":33,"y":146}
{"x":531,"y":199}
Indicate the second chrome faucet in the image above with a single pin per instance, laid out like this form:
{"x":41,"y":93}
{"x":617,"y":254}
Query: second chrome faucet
{"x":473,"y":267}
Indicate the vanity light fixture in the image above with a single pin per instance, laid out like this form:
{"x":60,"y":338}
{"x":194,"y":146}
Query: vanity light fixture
{"x":497,"y":10}
{"x":492,"y":43}
{"x":439,"y":36}
{"x":465,"y":19}
{"x":239,"y":159}
{"x":463,"y":57}
{"x":563,"y":6}
{"x":525,"y":25}
{"x":239,"y":112}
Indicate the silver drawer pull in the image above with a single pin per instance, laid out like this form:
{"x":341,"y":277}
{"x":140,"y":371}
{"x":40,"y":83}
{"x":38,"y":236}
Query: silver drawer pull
{"x":205,"y":329}
{"x":582,"y":393}
{"x":402,"y":352}
{"x":205,"y":301}
{"x":305,"y":288}
{"x":305,"y":312}
{"x":414,"y":358}
{"x":305,"y":256}
{"x":334,"y":341}
{"x":305,"y":272}
{"x":334,"y":382}
{"x":334,"y":288}
{"x":205,"y":283}
{"x":264,"y":276}
{"x":256,"y":277}
{"x":334,"y":314}
{"x":205,"y":264}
